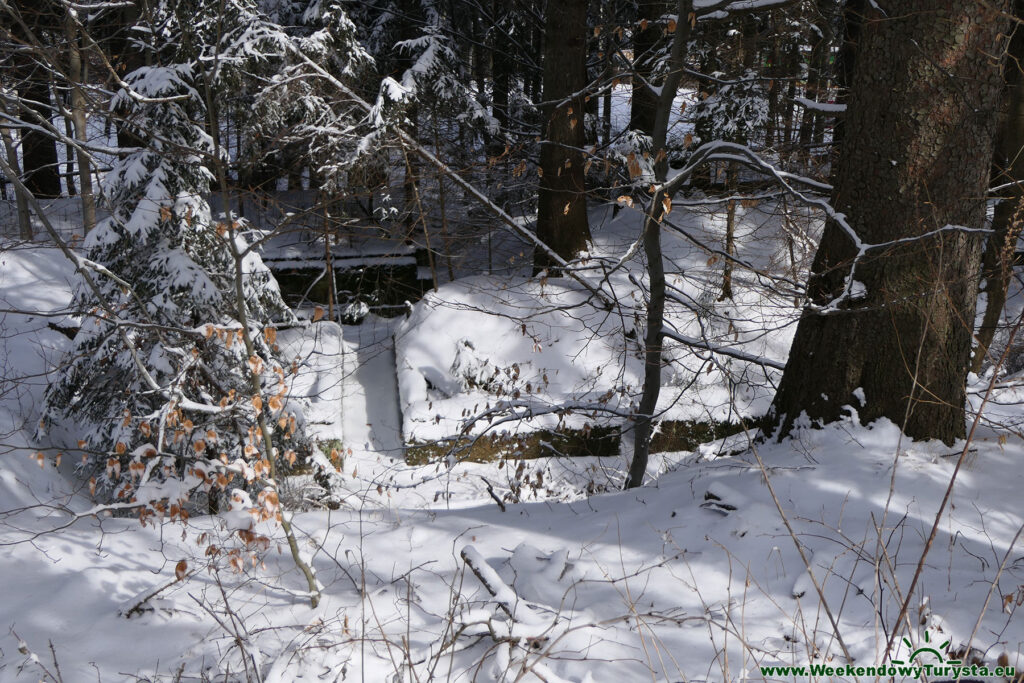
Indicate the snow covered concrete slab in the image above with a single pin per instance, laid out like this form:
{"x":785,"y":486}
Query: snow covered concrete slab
{"x":515,"y":354}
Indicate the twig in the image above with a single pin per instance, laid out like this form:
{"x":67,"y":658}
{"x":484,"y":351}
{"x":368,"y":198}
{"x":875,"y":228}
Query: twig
{"x":803,"y":556}
{"x":949,"y":489}
{"x":493,"y":495}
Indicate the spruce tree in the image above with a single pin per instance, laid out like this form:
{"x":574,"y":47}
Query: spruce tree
{"x":175,"y":412}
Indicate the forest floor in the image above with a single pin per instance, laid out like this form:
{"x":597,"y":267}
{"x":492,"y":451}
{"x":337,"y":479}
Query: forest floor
{"x":734,"y":556}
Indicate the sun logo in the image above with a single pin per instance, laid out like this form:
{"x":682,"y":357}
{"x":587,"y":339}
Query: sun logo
{"x":926,"y":648}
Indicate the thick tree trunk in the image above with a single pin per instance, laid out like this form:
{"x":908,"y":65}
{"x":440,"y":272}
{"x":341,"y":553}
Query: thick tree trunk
{"x":561,"y":205}
{"x":919,"y":131}
{"x":997,"y":262}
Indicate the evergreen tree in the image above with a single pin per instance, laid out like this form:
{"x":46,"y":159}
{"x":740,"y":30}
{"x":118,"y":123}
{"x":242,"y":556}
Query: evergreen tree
{"x":176,"y":411}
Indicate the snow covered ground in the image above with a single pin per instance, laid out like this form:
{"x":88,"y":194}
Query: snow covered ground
{"x":509,"y":354}
{"x":734,"y":556}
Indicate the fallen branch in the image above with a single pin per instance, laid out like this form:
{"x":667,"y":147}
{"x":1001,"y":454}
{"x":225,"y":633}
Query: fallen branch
{"x":499,"y":590}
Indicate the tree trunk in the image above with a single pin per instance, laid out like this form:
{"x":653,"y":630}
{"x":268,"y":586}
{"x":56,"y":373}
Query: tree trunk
{"x":653,"y":340}
{"x":852,"y":19}
{"x":919,"y":133}
{"x":732,"y":178}
{"x":774,"y":86}
{"x":38,"y":149}
{"x":646,"y":40}
{"x":10,"y":149}
{"x":502,"y":65}
{"x":69,"y":153}
{"x":77,"y":72}
{"x":129,"y":57}
{"x":792,"y":69}
{"x":655,"y":333}
{"x":997,"y":262}
{"x":831,"y":17}
{"x":534,"y":79}
{"x":562,"y":205}
{"x":608,"y":46}
{"x":808,"y":116}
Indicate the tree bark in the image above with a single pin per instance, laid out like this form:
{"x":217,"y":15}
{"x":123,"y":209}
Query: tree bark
{"x":128,"y":56}
{"x":561,"y":205}
{"x":773,"y":73}
{"x":654,"y":339}
{"x":792,"y":57}
{"x":919,"y":130}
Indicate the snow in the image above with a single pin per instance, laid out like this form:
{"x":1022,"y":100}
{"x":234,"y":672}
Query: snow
{"x":598,"y":588}
{"x":65,"y":214}
{"x":693,"y":577}
{"x":827,"y":107}
{"x":316,"y":352}
{"x":467,"y":339}
{"x":39,"y":281}
{"x":501,"y":354}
